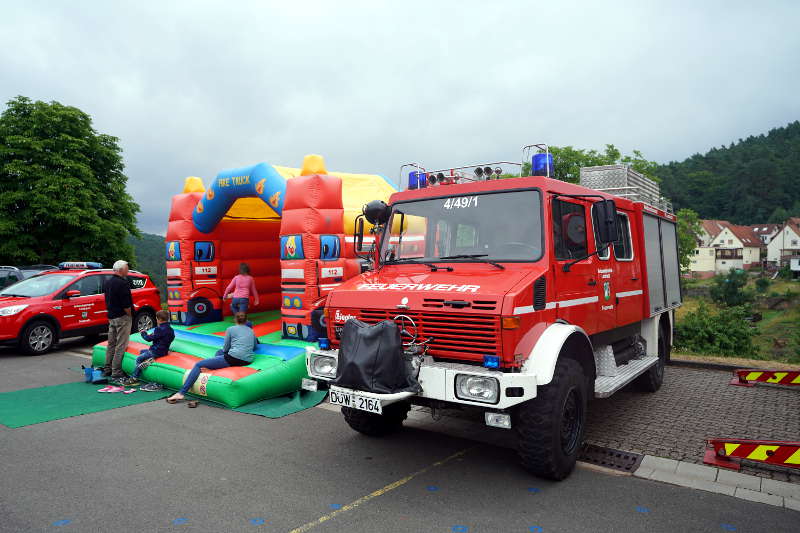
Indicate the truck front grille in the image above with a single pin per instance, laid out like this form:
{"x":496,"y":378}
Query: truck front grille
{"x":456,"y":336}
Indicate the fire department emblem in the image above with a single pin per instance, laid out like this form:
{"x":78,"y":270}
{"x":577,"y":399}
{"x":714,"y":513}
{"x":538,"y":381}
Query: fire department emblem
{"x":85,"y":314}
{"x":607,"y":290}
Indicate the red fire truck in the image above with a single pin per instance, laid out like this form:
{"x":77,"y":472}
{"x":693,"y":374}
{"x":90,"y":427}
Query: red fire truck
{"x":529,"y":295}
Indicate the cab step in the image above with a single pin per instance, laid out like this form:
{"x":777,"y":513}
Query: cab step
{"x":605,"y":386}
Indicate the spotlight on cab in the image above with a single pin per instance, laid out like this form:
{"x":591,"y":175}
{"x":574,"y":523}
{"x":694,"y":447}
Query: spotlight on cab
{"x":376,"y":212}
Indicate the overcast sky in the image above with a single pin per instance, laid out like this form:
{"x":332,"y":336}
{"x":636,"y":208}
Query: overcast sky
{"x":191,"y":88}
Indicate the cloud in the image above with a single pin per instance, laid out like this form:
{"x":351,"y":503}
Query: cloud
{"x":191,"y":88}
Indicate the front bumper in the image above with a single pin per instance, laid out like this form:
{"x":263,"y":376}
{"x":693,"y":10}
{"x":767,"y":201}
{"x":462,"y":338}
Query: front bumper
{"x":438,"y":382}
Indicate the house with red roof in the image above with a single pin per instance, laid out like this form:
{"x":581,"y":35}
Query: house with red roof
{"x":723,"y":246}
{"x":785,"y":244}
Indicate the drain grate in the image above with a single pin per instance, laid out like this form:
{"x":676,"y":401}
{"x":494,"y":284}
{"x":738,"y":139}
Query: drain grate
{"x":610,"y":458}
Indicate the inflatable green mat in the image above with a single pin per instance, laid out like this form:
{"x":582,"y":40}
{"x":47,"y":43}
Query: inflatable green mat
{"x":277,"y":369}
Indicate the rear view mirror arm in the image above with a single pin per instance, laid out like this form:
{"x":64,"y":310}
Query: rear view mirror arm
{"x":567,"y":266}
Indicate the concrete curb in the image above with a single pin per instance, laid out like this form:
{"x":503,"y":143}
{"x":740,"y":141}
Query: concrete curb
{"x":721,"y":481}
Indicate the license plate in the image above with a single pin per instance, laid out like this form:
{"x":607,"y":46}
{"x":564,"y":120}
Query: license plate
{"x":354,"y":400}
{"x":308,"y":384}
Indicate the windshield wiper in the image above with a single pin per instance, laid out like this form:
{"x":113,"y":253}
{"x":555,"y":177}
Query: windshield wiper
{"x":14,"y":295}
{"x":433,"y":267}
{"x":474,"y":256}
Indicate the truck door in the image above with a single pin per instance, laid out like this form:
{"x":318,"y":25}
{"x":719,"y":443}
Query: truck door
{"x":626,"y":284}
{"x":576,"y":290}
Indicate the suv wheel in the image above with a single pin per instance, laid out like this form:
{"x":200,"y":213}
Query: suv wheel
{"x":145,"y":319}
{"x":38,"y":337}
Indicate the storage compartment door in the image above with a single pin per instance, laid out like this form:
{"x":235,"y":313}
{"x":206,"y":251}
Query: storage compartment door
{"x":655,"y":272}
{"x":669,"y":247}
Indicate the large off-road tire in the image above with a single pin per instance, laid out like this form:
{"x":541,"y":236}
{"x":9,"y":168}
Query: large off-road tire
{"x":377,"y":425}
{"x":550,"y":428}
{"x":38,"y":337}
{"x":651,"y":380}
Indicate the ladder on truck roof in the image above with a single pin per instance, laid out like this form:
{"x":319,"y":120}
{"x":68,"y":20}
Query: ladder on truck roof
{"x":623,"y":181}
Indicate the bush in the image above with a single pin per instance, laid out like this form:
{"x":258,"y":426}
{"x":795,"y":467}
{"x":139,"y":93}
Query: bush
{"x":729,"y":289}
{"x":762,"y":284}
{"x":785,"y":273}
{"x":726,"y":333}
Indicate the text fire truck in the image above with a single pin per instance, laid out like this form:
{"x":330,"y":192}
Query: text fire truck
{"x":529,"y":295}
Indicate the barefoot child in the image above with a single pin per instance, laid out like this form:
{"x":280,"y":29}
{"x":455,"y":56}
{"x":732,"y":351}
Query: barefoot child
{"x":240,"y":341}
{"x":162,"y":337}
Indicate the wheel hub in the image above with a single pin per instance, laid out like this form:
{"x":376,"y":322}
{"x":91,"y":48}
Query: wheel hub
{"x":571,"y":422}
{"x":40,"y":338}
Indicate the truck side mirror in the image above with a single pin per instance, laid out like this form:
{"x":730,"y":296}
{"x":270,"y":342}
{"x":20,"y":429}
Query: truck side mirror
{"x":359,"y":237}
{"x":606,"y":213}
{"x":72,"y":294}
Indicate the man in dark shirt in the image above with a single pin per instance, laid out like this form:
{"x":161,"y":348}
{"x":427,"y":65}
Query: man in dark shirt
{"x":119,"y":305}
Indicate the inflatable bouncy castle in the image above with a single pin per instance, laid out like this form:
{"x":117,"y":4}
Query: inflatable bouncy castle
{"x":293,"y":227}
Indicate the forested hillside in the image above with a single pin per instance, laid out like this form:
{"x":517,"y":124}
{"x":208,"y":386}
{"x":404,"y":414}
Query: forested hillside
{"x":150,"y":256}
{"x":751,"y":181}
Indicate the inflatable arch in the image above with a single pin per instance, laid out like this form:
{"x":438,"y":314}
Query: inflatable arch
{"x":293,"y":227}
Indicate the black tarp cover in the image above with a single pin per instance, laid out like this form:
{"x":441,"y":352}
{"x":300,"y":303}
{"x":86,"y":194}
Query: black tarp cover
{"x":371,"y":359}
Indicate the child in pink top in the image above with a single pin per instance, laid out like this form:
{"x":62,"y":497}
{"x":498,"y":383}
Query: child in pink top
{"x":240,"y":289}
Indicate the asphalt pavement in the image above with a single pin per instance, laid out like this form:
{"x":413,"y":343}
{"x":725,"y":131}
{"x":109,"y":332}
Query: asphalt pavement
{"x":162,"y":467}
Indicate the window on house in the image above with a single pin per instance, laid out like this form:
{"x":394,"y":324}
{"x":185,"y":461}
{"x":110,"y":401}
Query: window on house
{"x":794,"y":242}
{"x":730,"y":241}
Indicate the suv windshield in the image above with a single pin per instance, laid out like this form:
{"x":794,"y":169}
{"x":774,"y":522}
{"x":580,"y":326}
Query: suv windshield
{"x":38,"y":286}
{"x":497,"y":226}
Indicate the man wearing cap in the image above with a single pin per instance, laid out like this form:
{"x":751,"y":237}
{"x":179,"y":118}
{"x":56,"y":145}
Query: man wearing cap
{"x":119,"y":305}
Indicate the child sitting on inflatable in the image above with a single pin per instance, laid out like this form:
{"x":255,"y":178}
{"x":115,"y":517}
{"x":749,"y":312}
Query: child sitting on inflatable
{"x":240,"y":341}
{"x":162,"y":337}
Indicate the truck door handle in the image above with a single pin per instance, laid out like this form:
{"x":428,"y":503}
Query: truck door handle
{"x":592,"y":283}
{"x":634,"y":279}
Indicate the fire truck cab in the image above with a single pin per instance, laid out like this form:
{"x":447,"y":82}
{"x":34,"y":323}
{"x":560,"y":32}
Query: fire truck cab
{"x":521,"y":297}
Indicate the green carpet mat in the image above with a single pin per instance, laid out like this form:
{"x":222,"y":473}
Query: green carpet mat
{"x":33,"y":406}
{"x":274,"y":407}
{"x":284,"y":405}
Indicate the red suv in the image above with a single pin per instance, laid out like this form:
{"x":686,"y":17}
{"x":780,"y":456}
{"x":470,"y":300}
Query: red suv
{"x":69,"y":302}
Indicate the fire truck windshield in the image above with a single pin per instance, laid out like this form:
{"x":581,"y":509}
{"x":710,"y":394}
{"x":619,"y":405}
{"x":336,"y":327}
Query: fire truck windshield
{"x":486,"y":227}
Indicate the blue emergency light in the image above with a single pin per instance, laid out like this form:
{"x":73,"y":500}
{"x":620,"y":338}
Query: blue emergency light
{"x":541,"y":163}
{"x":491,"y":361}
{"x":417,"y":180}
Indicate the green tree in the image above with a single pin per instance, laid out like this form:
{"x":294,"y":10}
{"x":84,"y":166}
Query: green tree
{"x":762,"y":284}
{"x":688,"y":232}
{"x":724,"y":333}
{"x":62,"y":187}
{"x":778,"y":216}
{"x":751,"y":181}
{"x":567,"y":162}
{"x":729,"y":289}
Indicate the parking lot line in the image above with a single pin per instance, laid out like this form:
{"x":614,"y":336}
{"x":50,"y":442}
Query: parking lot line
{"x":388,"y":488}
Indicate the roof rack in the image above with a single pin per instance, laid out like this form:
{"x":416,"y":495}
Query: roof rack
{"x":623,"y":181}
